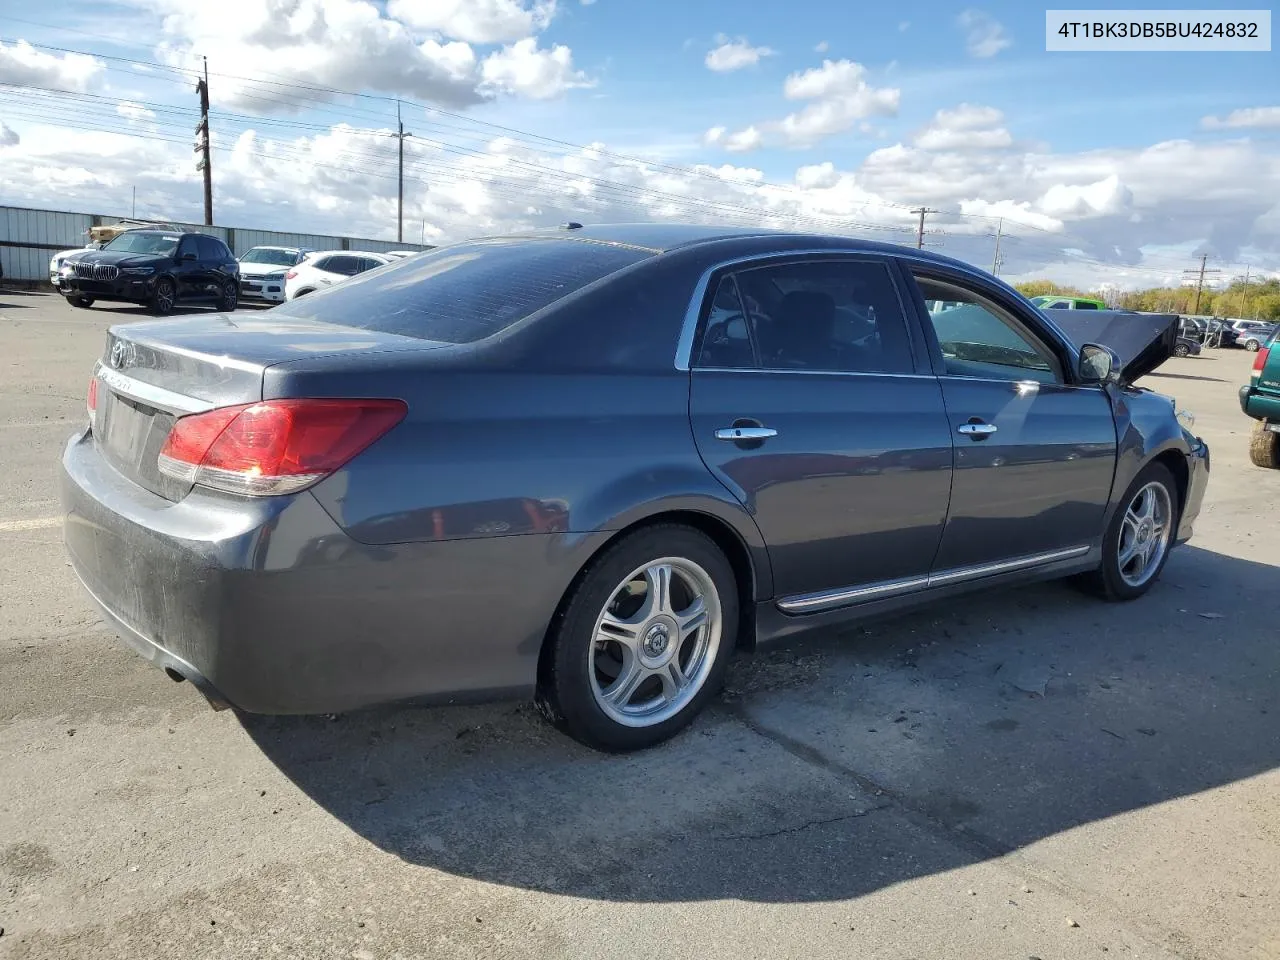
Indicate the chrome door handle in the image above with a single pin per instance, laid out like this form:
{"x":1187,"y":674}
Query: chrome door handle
{"x":978,"y":431}
{"x":745,"y":433}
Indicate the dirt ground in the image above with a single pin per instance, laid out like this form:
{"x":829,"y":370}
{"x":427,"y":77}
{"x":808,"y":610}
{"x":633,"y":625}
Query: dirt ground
{"x":1026,"y":773}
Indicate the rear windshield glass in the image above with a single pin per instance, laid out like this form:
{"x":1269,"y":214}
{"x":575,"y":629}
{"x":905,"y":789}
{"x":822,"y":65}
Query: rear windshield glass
{"x":466,"y":292}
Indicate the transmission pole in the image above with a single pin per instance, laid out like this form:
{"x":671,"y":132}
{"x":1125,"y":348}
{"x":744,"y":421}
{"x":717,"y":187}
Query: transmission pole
{"x":920,"y":229}
{"x":202,"y":143}
{"x":400,"y":135}
{"x":995,"y":261}
{"x":1204,"y":259}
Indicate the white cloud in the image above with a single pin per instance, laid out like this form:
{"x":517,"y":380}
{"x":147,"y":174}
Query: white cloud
{"x":822,"y":47}
{"x":1062,"y":212}
{"x":714,"y":135}
{"x":23,"y":65}
{"x":743,"y":140}
{"x":984,"y":36}
{"x":1262,"y":117}
{"x":134,"y":111}
{"x":475,"y":21}
{"x":352,"y":45}
{"x":8,"y":137}
{"x":967,"y":127}
{"x":735,"y":55}
{"x":524,"y":69}
{"x":841,"y":96}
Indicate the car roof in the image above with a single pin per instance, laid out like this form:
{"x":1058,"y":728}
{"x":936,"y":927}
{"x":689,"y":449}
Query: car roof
{"x":666,"y":237}
{"x":272,"y":246}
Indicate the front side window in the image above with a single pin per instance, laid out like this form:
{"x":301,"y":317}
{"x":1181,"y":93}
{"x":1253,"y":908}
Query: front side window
{"x":188,"y":248}
{"x":819,"y":315}
{"x":979,"y":338}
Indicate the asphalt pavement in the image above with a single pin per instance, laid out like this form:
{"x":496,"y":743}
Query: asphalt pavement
{"x":1019,"y":774}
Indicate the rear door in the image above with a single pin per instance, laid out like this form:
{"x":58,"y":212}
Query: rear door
{"x":1034,"y":450}
{"x":811,"y":401}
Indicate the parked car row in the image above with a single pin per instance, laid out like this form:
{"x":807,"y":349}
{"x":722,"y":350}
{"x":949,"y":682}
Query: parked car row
{"x":161,"y":266}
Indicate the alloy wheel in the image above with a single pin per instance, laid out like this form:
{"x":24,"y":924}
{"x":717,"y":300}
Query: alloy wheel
{"x":1145,"y":534}
{"x":655,"y":642}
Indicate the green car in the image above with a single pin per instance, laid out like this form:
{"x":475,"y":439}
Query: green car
{"x":1260,"y":399}
{"x":1068,"y":303}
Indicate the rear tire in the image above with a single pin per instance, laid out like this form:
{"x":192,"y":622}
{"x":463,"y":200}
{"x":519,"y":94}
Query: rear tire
{"x":164,"y":297}
{"x":1127,"y":573}
{"x":1181,"y":350}
{"x":1264,"y":447}
{"x":84,"y":303}
{"x":643,"y":640}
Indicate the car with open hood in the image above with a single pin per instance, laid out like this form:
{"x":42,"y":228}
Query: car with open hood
{"x":589,"y":466}
{"x":157,"y":268}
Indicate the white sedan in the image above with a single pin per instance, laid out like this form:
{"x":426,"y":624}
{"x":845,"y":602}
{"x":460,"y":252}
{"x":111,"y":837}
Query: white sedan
{"x":327,"y":267}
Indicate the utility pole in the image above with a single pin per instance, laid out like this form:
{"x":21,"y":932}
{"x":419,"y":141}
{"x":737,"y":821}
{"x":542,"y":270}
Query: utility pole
{"x":996,"y":260}
{"x":920,"y":229}
{"x":202,"y":143}
{"x":134,"y":214}
{"x":1244,"y":290}
{"x":1204,"y":259}
{"x":400,"y":135}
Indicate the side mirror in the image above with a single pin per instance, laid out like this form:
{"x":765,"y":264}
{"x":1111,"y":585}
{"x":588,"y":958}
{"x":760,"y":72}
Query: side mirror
{"x":1098,"y":364}
{"x":187,"y":256}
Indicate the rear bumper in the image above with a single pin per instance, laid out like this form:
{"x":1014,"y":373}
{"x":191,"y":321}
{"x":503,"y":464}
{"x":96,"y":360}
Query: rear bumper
{"x":267,"y":606}
{"x":1259,"y":404}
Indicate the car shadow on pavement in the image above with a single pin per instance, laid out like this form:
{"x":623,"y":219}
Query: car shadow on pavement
{"x":841,"y":764}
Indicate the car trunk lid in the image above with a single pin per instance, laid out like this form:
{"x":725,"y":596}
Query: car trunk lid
{"x":152,"y":373}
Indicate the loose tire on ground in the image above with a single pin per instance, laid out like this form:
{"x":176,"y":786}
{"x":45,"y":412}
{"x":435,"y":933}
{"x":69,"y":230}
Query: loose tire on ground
{"x":1264,"y":447}
{"x":578,"y":689}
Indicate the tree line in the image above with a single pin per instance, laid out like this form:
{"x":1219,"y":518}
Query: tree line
{"x":1255,"y":300}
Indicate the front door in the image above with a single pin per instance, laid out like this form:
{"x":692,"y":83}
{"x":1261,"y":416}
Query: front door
{"x":808,"y":401}
{"x":189,"y":273}
{"x":1034,"y":451}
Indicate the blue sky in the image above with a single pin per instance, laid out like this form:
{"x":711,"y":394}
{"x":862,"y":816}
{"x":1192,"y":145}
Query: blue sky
{"x":1097,"y":159}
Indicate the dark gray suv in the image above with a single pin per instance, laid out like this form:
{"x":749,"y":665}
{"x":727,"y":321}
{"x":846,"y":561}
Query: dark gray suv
{"x":589,"y":465}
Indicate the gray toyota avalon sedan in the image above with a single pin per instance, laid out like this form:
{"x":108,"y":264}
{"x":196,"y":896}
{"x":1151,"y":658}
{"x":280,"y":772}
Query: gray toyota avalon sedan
{"x":588,"y":465}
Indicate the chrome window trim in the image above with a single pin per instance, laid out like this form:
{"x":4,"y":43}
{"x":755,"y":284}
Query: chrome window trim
{"x":848,"y":596}
{"x":149,"y":393}
{"x":693,"y":313}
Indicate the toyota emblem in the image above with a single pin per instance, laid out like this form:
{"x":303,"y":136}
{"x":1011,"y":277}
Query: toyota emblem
{"x":121,"y":354}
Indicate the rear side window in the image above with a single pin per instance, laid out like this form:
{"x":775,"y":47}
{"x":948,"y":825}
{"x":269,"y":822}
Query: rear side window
{"x":1085,"y":305}
{"x":467,"y":292}
{"x":823,"y":315}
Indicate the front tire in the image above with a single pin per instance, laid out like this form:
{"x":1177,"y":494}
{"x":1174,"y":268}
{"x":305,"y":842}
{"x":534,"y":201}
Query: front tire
{"x":1264,"y":447}
{"x":164,"y":297}
{"x":1136,"y":545}
{"x":1181,"y":350}
{"x":83,"y":303}
{"x":643,"y":640}
{"x":230,"y":298}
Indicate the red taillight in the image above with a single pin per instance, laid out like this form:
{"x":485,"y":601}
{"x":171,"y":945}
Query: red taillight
{"x":275,"y":446}
{"x":1260,"y":360}
{"x":91,"y":401}
{"x":291,"y":274}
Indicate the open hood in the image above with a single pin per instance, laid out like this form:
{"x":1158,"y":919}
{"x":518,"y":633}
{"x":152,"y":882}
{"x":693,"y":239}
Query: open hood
{"x":1142,"y":341}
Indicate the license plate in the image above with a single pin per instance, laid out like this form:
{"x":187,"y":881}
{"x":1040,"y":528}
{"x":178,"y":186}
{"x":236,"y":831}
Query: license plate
{"x":124,"y":430}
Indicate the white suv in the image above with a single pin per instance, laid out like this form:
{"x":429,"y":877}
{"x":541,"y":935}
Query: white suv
{"x":327,"y":267}
{"x":263,"y":269}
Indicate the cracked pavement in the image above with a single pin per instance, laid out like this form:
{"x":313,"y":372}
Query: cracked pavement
{"x":1028,"y":773}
